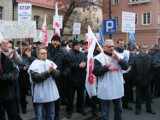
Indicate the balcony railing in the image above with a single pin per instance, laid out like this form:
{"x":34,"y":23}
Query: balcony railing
{"x":138,"y":2}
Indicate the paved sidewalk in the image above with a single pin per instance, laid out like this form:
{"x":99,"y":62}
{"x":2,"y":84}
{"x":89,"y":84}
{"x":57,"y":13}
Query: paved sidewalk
{"x":127,"y":115}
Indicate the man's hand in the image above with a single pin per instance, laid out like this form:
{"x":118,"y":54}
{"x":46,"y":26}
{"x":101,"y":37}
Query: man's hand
{"x":25,"y":68}
{"x":28,"y":54}
{"x":51,"y":68}
{"x":82,"y":64}
{"x":109,"y":64}
{"x":115,"y":56}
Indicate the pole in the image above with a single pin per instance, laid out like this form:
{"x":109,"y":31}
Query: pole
{"x":127,"y":42}
{"x":110,"y":15}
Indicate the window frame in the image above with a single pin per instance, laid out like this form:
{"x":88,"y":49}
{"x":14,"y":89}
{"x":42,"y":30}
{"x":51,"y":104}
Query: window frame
{"x":37,"y":18}
{"x":117,"y":20}
{"x":146,"y":13}
{"x":1,"y":12}
{"x":115,"y":2}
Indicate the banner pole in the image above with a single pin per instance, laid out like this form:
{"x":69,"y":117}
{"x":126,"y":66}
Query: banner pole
{"x":127,"y":41}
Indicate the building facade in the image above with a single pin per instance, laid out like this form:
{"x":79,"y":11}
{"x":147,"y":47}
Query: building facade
{"x":147,"y":20}
{"x":86,"y":15}
{"x":6,"y":10}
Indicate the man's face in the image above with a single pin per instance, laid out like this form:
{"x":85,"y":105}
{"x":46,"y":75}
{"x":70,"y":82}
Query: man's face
{"x":42,"y":54}
{"x":85,"y":46}
{"x":5,"y":45}
{"x":70,"y":44}
{"x":144,"y":49}
{"x":55,"y":43}
{"x":39,"y":45}
{"x":121,"y":45}
{"x":77,"y":47}
{"x":109,"y":47}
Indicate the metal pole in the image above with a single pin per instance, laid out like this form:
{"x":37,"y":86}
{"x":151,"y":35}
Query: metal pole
{"x":110,"y":15}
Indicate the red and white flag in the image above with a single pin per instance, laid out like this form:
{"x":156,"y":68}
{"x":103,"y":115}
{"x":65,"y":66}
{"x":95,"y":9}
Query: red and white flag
{"x":91,"y":82}
{"x":43,"y":33}
{"x":56,"y":25}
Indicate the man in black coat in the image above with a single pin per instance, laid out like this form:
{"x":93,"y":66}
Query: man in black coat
{"x":56,"y":54}
{"x":75,"y":61}
{"x":7,"y":77}
{"x":142,"y":64}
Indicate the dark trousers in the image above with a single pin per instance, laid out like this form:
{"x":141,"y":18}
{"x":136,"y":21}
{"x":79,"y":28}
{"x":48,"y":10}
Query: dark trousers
{"x":2,"y":113}
{"x":10,"y":107}
{"x":80,"y":98}
{"x":17,"y":95}
{"x":143,"y":91}
{"x":128,"y":92}
{"x":23,"y":101}
{"x":93,"y":101}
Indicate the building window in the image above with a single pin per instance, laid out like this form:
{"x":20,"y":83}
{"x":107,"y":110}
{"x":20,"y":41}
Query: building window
{"x":159,"y":18}
{"x":146,"y":17}
{"x":116,"y":17}
{"x":1,"y":13}
{"x":36,"y":18}
{"x":115,"y":2}
{"x":136,"y":19}
{"x":134,"y":0}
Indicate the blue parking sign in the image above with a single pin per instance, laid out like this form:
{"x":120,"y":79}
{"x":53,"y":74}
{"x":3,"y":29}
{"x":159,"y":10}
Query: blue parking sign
{"x":109,"y":26}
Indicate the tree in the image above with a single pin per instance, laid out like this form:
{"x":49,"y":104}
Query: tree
{"x":71,"y":7}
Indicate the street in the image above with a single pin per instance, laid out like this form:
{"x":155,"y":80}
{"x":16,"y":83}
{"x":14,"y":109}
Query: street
{"x":127,"y":115}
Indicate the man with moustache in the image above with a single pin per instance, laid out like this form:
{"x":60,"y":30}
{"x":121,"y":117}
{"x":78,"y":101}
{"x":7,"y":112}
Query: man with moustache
{"x":44,"y":90}
{"x":143,"y":65}
{"x":108,"y":69}
{"x":125,"y":54}
{"x":56,"y":54}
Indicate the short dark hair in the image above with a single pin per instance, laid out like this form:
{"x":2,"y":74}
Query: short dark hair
{"x":56,"y":38}
{"x":40,"y":48}
{"x":119,"y":40}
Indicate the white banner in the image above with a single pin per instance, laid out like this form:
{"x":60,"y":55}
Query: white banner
{"x":76,"y":28}
{"x":128,"y":22}
{"x":18,"y":29}
{"x":50,"y":35}
{"x":24,"y":11}
{"x":60,"y":19}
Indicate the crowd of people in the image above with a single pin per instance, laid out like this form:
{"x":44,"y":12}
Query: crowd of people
{"x":52,"y":75}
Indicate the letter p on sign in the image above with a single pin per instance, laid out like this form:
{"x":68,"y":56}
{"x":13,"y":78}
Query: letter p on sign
{"x":109,"y":26}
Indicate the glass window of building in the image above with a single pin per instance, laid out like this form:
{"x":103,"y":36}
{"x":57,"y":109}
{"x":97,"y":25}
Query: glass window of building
{"x":146,"y":18}
{"x":1,"y":13}
{"x":36,"y":18}
{"x":117,"y":20}
{"x":115,"y":2}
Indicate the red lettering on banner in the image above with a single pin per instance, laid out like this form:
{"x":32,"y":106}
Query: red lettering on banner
{"x":113,"y":70}
{"x":57,"y":24}
{"x":91,"y":76}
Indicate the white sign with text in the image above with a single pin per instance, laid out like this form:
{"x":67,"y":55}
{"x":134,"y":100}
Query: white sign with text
{"x":24,"y":11}
{"x":128,"y":22}
{"x":76,"y":28}
{"x":18,"y":29}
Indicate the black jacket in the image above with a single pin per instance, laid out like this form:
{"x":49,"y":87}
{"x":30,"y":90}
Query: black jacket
{"x":142,"y":67}
{"x":56,"y":55}
{"x":7,"y":78}
{"x":76,"y":75}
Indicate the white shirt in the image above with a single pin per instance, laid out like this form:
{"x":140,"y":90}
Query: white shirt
{"x":110,"y":85}
{"x":45,"y":91}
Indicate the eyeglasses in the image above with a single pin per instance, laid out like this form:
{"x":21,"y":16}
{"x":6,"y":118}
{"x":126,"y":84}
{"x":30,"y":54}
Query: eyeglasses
{"x":43,"y":53}
{"x":110,"y":46}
